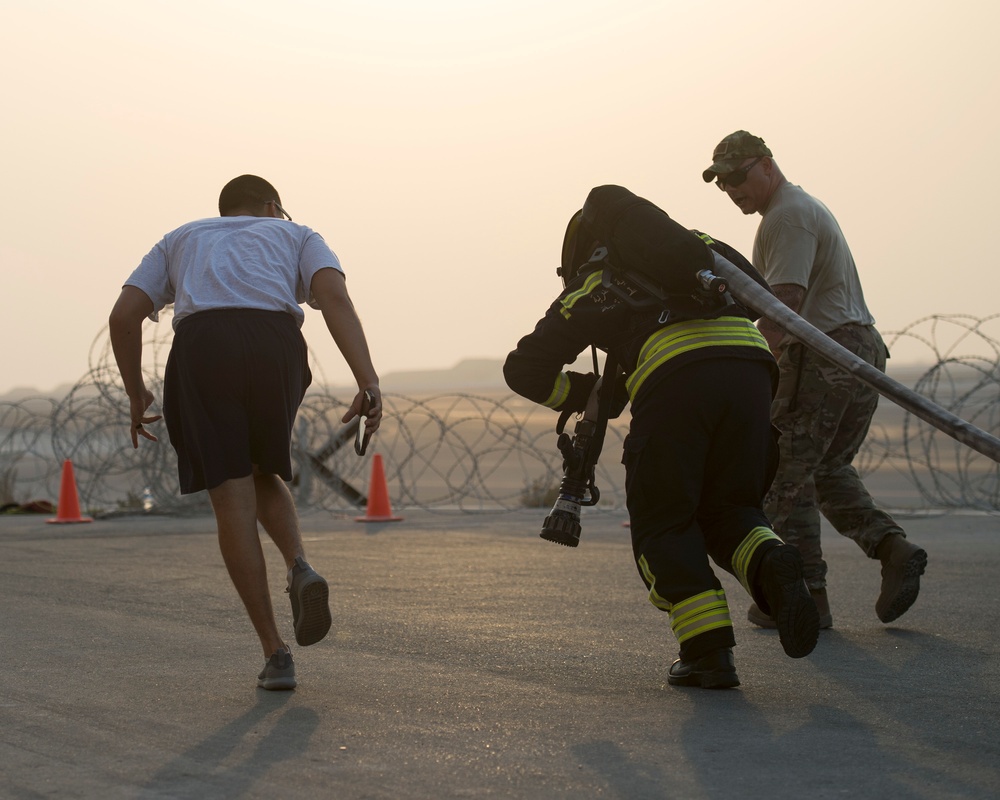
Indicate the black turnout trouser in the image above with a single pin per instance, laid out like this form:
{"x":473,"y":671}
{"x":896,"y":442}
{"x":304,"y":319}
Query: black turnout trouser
{"x":699,"y":457}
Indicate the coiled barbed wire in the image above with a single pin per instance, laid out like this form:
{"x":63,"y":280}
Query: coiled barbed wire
{"x":964,"y":379}
{"x":468,"y":452}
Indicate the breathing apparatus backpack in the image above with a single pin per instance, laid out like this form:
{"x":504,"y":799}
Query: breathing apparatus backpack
{"x":659,"y":263}
{"x":657,"y":267}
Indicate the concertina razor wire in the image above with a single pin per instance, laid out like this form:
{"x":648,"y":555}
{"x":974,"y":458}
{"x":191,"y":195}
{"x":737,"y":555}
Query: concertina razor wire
{"x":476,"y":452}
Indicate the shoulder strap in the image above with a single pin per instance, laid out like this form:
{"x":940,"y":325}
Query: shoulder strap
{"x":605,"y":399}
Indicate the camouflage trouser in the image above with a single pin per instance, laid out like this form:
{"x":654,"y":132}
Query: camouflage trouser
{"x":824,"y":414}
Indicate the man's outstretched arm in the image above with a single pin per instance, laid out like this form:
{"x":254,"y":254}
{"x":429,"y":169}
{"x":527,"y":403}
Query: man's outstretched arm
{"x":329,"y":287}
{"x":125,"y":327}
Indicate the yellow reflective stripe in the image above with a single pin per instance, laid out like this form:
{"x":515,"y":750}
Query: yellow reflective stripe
{"x":559,"y":392}
{"x":706,"y":238}
{"x":699,"y":614}
{"x":654,"y":598}
{"x":744,"y":553}
{"x":683,"y":337}
{"x":683,"y":334}
{"x":593,"y":280}
{"x":722,"y":620}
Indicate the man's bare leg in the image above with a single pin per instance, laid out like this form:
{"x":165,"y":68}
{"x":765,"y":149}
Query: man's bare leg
{"x":308,"y":591}
{"x":235,"y":505}
{"x":277,"y":514}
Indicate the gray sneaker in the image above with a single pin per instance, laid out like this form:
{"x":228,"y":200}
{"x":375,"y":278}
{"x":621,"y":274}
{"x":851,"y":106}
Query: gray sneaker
{"x":310,"y":596}
{"x":278,"y":672}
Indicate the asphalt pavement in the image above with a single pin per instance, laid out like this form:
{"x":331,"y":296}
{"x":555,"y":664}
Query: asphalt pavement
{"x":471,"y":659}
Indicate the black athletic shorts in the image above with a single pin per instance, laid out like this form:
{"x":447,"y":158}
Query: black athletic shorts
{"x":233,"y":384}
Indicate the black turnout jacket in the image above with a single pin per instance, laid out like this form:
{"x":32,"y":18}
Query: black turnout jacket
{"x":604,"y":309}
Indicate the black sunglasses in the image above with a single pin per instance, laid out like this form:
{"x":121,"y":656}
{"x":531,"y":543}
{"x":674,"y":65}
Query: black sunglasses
{"x":281,"y":211}
{"x":737,"y":177}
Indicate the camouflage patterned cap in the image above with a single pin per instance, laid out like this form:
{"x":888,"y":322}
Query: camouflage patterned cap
{"x":736,"y":147}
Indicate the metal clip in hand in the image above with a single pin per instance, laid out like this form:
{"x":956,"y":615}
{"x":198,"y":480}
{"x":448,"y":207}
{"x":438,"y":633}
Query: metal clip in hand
{"x":362,"y":436}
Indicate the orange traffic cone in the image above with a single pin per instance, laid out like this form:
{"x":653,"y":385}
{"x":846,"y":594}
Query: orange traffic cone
{"x":69,"y":503}
{"x":378,"y":509}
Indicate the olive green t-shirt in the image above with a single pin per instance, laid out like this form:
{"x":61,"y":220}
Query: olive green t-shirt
{"x":800,"y":242}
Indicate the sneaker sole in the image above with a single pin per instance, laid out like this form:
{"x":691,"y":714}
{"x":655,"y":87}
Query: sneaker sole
{"x":311,"y":611}
{"x":796,"y":616}
{"x":276,"y":684}
{"x":908,"y":590}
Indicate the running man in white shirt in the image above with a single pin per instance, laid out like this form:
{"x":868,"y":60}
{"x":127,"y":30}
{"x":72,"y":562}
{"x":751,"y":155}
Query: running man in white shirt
{"x":236,"y":374}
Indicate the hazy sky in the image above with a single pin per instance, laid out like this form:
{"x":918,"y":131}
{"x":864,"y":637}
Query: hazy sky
{"x":440,"y":147}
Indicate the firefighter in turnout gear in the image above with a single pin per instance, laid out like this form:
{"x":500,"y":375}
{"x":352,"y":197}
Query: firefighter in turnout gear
{"x":700,"y":453}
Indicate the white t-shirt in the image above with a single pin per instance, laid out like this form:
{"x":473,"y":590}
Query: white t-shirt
{"x":800,"y":242}
{"x":234,"y":262}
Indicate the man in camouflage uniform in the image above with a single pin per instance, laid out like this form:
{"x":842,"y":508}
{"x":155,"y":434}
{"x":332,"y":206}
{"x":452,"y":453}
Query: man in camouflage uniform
{"x":823,"y":413}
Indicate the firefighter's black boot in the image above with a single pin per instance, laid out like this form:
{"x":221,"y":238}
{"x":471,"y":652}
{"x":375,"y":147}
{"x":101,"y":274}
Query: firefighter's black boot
{"x":714,"y":670}
{"x":791,"y":606}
